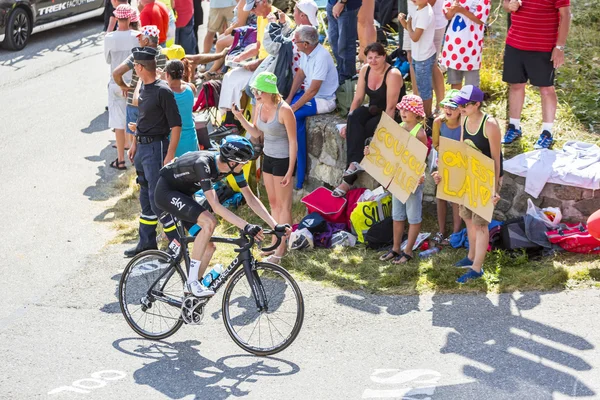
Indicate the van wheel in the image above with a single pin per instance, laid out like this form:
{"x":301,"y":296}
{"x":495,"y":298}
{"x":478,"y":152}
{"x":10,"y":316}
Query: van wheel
{"x":18,"y":30}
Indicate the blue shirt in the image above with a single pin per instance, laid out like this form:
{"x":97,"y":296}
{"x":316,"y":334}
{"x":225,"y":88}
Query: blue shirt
{"x":188,"y":140}
{"x":350,"y":5}
{"x":318,"y":65}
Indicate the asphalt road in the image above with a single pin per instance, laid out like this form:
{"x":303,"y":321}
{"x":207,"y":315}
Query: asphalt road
{"x":62,"y":335}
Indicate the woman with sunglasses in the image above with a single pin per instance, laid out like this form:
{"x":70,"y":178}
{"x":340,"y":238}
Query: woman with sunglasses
{"x":482,"y":132}
{"x":273,"y":121}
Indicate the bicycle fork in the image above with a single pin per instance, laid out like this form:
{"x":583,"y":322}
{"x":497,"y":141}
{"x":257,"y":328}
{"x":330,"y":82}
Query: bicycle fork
{"x":258,"y":291}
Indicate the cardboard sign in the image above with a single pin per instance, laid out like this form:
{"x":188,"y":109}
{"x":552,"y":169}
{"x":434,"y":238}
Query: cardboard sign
{"x":468,"y":177}
{"x":396,"y":158}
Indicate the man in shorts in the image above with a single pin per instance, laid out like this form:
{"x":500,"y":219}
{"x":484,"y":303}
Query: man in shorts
{"x":535,"y":46}
{"x":219,"y":17}
{"x":180,"y":179}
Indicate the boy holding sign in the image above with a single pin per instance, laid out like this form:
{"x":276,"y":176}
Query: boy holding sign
{"x":412,"y":113}
{"x":482,"y":133}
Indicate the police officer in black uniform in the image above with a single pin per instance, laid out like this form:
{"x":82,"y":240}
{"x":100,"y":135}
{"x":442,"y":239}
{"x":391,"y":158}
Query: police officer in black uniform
{"x":158,"y":117}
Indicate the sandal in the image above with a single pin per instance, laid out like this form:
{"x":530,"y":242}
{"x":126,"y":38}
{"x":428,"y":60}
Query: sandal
{"x":357,"y":168}
{"x":446,"y":242}
{"x":438,"y":238}
{"x":274,"y":259}
{"x":120,"y":165}
{"x":390,"y":255}
{"x":337,"y":192}
{"x":398,"y":260}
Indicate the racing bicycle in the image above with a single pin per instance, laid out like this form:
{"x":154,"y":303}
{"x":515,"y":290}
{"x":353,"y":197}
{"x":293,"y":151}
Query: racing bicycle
{"x":262,"y":306}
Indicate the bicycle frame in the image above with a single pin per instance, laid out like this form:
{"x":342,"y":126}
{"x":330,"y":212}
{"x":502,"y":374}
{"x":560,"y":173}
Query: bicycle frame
{"x":244,"y":258}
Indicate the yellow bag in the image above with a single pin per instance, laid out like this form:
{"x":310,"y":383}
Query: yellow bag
{"x":367,"y":213}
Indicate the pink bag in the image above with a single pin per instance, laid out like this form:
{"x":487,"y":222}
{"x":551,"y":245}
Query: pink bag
{"x":323,"y":202}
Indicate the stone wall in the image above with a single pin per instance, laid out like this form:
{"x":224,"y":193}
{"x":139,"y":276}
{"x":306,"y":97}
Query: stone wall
{"x":327,"y":160}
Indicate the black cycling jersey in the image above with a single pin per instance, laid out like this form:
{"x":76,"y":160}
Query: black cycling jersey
{"x":196,"y":170}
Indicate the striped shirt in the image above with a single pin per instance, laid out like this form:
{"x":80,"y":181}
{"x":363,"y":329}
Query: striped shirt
{"x":534,"y":27}
{"x":161,"y":62}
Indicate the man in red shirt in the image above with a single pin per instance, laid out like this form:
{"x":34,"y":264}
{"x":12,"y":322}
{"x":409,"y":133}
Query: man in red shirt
{"x":155,"y":13}
{"x":184,"y":32}
{"x":535,"y":46}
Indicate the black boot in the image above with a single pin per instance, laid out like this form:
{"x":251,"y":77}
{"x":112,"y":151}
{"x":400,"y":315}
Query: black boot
{"x":134,"y":251}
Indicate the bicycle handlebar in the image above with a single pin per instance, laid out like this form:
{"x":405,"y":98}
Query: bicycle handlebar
{"x":251,"y":241}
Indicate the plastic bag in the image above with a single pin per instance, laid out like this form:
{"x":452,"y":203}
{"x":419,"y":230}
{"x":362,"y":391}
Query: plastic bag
{"x":550,"y":216}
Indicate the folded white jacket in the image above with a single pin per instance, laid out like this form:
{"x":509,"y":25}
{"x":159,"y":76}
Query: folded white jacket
{"x":577,"y":164}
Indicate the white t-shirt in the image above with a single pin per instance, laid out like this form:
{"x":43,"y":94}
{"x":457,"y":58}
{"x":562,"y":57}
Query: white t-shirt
{"x":424,"y":48}
{"x":318,"y":65}
{"x":117,"y":47}
{"x":438,"y":12}
{"x":464,"y":38}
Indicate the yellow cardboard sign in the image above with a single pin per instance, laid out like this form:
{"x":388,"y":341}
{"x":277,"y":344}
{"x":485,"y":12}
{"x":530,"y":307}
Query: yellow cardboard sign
{"x":468,"y":177}
{"x":396,"y":158}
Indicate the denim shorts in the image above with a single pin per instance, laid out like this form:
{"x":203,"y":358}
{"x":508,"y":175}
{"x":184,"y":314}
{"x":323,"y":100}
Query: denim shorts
{"x":424,"y":76}
{"x":132,"y":114}
{"x":413,"y":209}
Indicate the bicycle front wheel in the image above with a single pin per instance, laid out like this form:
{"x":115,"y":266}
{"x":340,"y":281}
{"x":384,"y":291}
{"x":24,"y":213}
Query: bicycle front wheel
{"x":271,"y":330}
{"x":151,"y":293}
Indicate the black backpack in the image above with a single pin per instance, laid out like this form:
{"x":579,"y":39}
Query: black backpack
{"x":513,"y":236}
{"x":380,"y":235}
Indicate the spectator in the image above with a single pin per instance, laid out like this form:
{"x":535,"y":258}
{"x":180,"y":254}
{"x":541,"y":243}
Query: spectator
{"x":156,"y":14}
{"x":225,"y":40}
{"x":438,"y":40}
{"x":112,"y":22}
{"x":236,"y":80}
{"x":184,"y":96}
{"x":274,"y":123}
{"x":171,"y":30}
{"x":152,"y":149}
{"x":198,"y":20}
{"x":148,"y":37}
{"x":219,"y":17}
{"x":464,"y":41}
{"x":413,"y":115}
{"x":134,"y":20}
{"x":318,"y":76}
{"x":366,"y":27}
{"x":342,"y":17}
{"x":117,"y":47}
{"x":383,"y":84}
{"x":421,"y":30}
{"x":447,"y":125}
{"x":481,"y":132}
{"x":535,"y":46}
{"x":411,"y":9}
{"x":184,"y":32}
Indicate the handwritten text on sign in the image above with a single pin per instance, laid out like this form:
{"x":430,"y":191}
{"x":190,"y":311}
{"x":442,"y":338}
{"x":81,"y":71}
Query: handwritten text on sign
{"x":468,"y":177}
{"x":396,"y":158}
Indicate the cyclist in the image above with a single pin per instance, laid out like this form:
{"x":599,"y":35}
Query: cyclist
{"x":185,"y":175}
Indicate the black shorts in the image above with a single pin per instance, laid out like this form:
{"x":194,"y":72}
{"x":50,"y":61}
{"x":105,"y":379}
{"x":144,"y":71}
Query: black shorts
{"x":276,"y":166}
{"x":180,"y":205}
{"x":521,"y":66}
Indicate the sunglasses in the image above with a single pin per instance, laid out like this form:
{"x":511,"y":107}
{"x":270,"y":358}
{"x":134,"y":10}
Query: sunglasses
{"x":257,"y":92}
{"x":451,"y":108}
{"x":467,"y":104}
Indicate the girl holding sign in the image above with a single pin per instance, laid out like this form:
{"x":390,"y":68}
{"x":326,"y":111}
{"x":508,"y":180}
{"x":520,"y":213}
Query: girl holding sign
{"x":413,"y":114}
{"x":482,"y":132}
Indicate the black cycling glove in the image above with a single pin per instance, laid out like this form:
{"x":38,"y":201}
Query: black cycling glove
{"x":281,"y":227}
{"x":252,"y":230}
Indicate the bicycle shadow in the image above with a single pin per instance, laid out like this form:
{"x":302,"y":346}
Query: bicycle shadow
{"x":393,"y":305}
{"x":512,"y":354}
{"x":114,"y":307}
{"x":183,"y":371}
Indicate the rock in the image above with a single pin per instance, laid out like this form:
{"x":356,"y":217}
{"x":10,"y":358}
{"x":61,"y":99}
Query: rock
{"x":327,"y":174}
{"x":365,"y":180}
{"x":509,"y":190}
{"x":587,"y":207}
{"x":550,"y":202}
{"x":590,"y":194}
{"x":503,"y":205}
{"x":330,"y":153}
{"x":563,"y":192}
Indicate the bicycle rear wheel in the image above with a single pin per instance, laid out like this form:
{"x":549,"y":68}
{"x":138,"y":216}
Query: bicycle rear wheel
{"x":155,"y":315}
{"x":269,"y":331}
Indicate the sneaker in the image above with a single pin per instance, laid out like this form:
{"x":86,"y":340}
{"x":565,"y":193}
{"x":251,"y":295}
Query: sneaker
{"x":224,"y":130}
{"x":470,"y":274}
{"x":545,"y":141}
{"x":464,"y":263}
{"x":511,"y":134}
{"x":198,"y":289}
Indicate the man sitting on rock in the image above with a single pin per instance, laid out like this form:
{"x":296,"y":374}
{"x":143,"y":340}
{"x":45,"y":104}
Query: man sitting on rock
{"x":313,"y":89}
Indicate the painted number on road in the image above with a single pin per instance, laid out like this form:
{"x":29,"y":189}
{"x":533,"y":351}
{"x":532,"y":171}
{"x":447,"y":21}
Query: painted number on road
{"x":97,"y":380}
{"x":422,"y":383}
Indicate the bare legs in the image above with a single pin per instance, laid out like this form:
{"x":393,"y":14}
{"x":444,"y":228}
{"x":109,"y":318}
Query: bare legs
{"x":366,"y":28}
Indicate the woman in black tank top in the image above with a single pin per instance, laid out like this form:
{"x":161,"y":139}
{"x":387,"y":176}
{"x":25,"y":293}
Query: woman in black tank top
{"x":481,"y":132}
{"x":385,"y":87}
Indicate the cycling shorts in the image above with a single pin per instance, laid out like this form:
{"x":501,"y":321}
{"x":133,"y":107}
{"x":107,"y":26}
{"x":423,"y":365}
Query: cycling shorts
{"x":180,"y":205}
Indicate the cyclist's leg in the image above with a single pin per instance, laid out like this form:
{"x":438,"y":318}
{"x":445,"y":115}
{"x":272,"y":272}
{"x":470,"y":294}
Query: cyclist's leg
{"x":203,"y":249}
